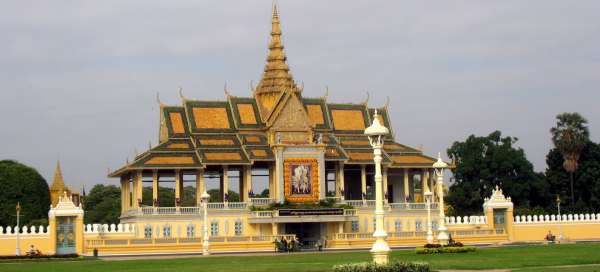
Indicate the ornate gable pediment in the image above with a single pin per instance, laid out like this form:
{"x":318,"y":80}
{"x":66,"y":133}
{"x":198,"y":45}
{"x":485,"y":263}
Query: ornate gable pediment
{"x":291,"y":116}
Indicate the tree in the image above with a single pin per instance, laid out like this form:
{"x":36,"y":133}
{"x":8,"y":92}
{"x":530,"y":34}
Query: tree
{"x":21,"y":183}
{"x":569,"y":136}
{"x":586,"y":181}
{"x":102,"y":205}
{"x":486,"y":162}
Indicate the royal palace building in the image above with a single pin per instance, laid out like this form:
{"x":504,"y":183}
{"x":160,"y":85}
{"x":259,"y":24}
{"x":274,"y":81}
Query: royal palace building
{"x":259,"y":155}
{"x":236,"y":175}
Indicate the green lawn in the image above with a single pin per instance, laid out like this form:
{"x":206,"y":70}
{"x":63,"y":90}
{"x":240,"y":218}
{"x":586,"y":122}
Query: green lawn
{"x":528,"y":258}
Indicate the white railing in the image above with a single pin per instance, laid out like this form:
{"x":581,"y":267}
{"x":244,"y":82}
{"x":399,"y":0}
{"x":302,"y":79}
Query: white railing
{"x":260,"y":201}
{"x":24,"y":230}
{"x":112,"y":228}
{"x":361,"y":203}
{"x":93,"y":243}
{"x":531,"y":219}
{"x":184,"y":210}
{"x":275,"y":213}
{"x":349,"y":212}
{"x":265,"y":214}
{"x":463,"y":233}
{"x":466,"y":220}
{"x":216,"y":205}
{"x":369,"y":235}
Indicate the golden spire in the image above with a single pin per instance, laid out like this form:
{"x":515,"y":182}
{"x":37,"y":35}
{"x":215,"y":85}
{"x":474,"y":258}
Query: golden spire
{"x":58,"y":183}
{"x":276,"y":77}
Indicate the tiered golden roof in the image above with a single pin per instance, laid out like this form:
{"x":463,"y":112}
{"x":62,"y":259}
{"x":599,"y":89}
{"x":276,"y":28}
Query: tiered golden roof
{"x":276,"y":77}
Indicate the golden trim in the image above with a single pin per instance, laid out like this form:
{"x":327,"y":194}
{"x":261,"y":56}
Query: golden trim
{"x":314,"y":166}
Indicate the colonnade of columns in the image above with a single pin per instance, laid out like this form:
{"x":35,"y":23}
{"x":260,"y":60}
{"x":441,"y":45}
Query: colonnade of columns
{"x":407,"y":191}
{"x":132,"y":185}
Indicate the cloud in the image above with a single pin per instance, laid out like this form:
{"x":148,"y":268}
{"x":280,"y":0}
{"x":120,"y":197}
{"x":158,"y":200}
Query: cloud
{"x":79,"y":79}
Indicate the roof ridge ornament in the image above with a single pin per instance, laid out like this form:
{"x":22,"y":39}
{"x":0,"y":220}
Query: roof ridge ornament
{"x":276,"y":77}
{"x":366,"y":101}
{"x":183,"y":98}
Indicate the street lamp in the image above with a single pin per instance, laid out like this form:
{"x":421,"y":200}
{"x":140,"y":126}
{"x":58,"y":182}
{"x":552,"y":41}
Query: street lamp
{"x":439,"y":167}
{"x":205,"y":245}
{"x":376,"y":132}
{"x":560,"y":233}
{"x":18,"y":248}
{"x":428,"y":197}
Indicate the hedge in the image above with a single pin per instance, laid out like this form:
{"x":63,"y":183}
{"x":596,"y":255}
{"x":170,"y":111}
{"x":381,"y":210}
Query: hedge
{"x":393,"y":266}
{"x":446,"y":250}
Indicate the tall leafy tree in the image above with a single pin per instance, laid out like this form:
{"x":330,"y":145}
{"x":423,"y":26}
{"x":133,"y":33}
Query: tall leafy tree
{"x":570,"y":136}
{"x":484,"y":162}
{"x":102,"y":205}
{"x":586,"y":181}
{"x":21,"y":183}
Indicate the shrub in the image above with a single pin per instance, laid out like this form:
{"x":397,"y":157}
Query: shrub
{"x":394,"y":266}
{"x":432,"y":245}
{"x":40,"y":256}
{"x":463,"y":249}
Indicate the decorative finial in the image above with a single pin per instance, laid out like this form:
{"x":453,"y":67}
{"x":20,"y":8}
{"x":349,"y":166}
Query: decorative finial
{"x":225,"y":90}
{"x":275,"y":13}
{"x":326,"y":92}
{"x":158,"y":99}
{"x":181,"y":93}
{"x":387,"y":102}
{"x":150,"y":144}
{"x":135,"y":152}
{"x":127,"y":160}
{"x":367,"y":99}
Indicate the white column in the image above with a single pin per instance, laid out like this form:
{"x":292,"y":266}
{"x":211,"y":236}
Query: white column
{"x":247,"y":182}
{"x":138,"y":189}
{"x":406,"y":187}
{"x":123,"y":194}
{"x":178,"y":182}
{"x":341,"y":185}
{"x":225,"y":184}
{"x":199,"y":185}
{"x":155,"y":188}
{"x":385,"y":184}
{"x":424,"y":180}
{"x":363,"y":182}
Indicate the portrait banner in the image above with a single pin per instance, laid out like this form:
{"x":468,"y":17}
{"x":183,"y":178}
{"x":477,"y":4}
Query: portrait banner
{"x":301,"y":178}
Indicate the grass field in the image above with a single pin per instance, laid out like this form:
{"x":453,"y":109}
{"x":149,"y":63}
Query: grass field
{"x":520,"y":258}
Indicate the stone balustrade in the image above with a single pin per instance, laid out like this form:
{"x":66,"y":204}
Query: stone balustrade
{"x":531,"y":219}
{"x":24,"y":230}
{"x":466,"y":220}
{"x":106,"y":228}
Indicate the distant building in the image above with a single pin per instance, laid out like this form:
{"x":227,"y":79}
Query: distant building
{"x":58,"y":188}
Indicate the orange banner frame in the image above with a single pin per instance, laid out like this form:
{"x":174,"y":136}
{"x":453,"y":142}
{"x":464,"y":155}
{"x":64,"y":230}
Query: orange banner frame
{"x":314,"y":176}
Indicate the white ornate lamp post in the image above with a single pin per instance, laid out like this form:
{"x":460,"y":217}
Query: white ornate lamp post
{"x":439,"y":167}
{"x":380,"y":250}
{"x":205,"y":245}
{"x":428,"y":197}
{"x":560,"y":233}
{"x":18,"y":248}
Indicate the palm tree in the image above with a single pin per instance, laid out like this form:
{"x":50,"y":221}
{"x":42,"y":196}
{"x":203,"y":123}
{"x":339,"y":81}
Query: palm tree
{"x":570,"y":136}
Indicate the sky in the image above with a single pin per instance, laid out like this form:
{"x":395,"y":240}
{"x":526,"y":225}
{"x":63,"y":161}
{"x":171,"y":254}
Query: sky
{"x":79,"y":79}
